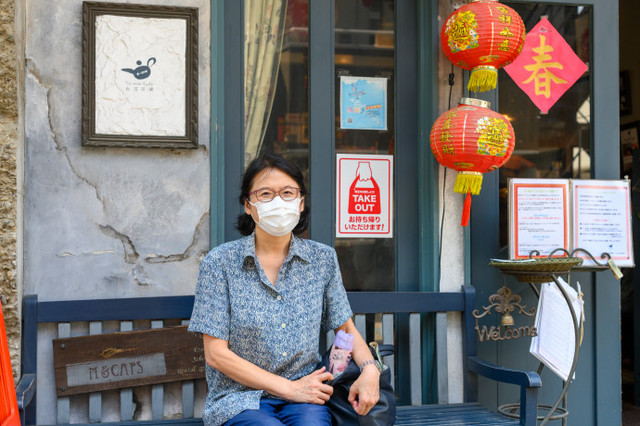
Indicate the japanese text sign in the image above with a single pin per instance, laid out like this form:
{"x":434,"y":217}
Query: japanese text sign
{"x":364,"y":206}
{"x":547,"y":66}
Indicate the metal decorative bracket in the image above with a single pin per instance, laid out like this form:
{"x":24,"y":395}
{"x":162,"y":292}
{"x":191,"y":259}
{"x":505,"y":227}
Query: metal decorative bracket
{"x":504,"y":302}
{"x":606,"y":256}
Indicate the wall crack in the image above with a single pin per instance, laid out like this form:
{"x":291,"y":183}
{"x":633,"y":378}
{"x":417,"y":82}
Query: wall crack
{"x":188,"y":252}
{"x":130,"y":254}
{"x":32,"y":69}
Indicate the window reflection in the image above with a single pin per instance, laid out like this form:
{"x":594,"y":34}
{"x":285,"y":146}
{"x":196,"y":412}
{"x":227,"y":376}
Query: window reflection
{"x":556,"y":144}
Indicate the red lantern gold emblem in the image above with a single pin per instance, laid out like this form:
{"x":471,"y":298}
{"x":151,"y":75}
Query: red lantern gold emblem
{"x":483,"y":36}
{"x":472,"y":139}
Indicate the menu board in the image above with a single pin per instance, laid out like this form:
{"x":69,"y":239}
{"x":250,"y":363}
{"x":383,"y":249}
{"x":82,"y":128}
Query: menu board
{"x":594,"y":215}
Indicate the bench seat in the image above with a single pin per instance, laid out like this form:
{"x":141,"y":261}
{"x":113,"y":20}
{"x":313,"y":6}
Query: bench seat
{"x":470,"y":413}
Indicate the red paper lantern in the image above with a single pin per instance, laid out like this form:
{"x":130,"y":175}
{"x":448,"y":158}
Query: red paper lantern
{"x":472,"y":139}
{"x":483,"y":36}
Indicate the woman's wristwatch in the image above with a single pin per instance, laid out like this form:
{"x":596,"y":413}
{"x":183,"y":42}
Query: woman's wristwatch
{"x":369,"y":362}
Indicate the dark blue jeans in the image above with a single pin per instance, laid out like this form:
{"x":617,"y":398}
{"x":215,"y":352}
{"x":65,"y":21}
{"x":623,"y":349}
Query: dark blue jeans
{"x":279,"y":412}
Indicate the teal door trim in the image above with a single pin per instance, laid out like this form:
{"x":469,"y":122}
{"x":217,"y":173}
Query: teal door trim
{"x":606,"y":165}
{"x":605,"y":300}
{"x":216,"y":141}
{"x":321,"y":121}
{"x":428,"y":183}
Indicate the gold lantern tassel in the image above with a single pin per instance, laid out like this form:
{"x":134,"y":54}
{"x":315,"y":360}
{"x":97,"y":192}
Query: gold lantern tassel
{"x":468,"y":182}
{"x":483,"y":78}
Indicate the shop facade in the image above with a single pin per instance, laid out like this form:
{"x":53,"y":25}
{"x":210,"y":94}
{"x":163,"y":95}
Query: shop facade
{"x":126,"y":222}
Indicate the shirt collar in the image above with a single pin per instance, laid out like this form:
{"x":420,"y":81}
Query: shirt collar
{"x":297,"y":248}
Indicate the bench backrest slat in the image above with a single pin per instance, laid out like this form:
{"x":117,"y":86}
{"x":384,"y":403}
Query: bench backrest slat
{"x":157,"y":391}
{"x":188,"y":393}
{"x":64,"y":403}
{"x":126,"y":395}
{"x":95,"y":398}
{"x":415,"y":360}
{"x":388,"y":339}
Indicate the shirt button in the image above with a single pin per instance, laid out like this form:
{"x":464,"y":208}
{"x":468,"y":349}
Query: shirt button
{"x":284,"y":325}
{"x":279,"y":297}
{"x":284,"y":354}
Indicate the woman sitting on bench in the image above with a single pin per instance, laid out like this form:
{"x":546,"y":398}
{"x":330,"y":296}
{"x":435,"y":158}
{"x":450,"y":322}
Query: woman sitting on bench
{"x":260,"y":304}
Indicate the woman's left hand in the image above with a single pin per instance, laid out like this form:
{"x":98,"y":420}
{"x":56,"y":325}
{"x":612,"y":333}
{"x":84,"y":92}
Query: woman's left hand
{"x":365,"y":391}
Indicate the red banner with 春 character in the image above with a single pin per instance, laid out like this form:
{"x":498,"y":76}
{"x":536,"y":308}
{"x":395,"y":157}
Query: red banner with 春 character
{"x":547,"y":66}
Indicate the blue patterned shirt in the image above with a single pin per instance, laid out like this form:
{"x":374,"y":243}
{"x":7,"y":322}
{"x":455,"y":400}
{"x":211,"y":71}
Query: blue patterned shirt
{"x":275,"y":327}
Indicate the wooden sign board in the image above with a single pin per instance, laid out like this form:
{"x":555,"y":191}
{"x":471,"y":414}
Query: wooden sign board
{"x":126,"y":359}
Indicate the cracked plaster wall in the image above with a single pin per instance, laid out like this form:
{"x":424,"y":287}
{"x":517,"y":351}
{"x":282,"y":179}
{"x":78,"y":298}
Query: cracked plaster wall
{"x":103,"y":222}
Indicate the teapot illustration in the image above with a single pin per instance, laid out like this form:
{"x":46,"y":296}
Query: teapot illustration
{"x":142,"y":71}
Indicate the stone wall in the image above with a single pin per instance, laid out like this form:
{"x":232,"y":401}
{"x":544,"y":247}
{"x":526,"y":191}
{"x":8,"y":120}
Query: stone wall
{"x":9,"y":294}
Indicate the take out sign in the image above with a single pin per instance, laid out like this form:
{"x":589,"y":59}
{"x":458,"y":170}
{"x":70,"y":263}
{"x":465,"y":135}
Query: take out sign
{"x":364,"y":191}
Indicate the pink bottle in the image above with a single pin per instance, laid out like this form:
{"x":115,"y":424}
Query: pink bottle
{"x":340,"y":354}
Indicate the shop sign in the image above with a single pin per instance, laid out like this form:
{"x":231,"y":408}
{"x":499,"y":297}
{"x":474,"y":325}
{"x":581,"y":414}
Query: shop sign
{"x":364,"y":188}
{"x":120,"y":360}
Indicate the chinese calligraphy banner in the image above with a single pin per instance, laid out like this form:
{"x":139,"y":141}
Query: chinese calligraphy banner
{"x":547,"y":66}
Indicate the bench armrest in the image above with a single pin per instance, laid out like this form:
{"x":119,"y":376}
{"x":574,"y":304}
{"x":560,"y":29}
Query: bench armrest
{"x":25,"y":390}
{"x":529,"y":379}
{"x":529,"y":382}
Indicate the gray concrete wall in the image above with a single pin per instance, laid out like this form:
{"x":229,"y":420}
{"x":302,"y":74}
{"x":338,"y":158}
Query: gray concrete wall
{"x":102,"y":222}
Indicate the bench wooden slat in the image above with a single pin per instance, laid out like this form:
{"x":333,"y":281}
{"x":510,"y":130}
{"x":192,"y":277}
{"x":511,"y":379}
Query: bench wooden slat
{"x":64,"y":403}
{"x":415,"y":359}
{"x":95,"y":398}
{"x":442,"y":363}
{"x":388,"y":338}
{"x":331,"y":335}
{"x":157,"y":391}
{"x":361,"y":324}
{"x":188,"y":390}
{"x":126,"y":395}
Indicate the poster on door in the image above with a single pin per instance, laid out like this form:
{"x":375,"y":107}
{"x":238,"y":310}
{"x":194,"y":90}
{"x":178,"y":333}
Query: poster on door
{"x":364,"y":190}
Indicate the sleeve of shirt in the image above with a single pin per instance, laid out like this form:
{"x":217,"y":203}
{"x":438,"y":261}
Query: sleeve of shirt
{"x":211,"y":305}
{"x":336,"y":304}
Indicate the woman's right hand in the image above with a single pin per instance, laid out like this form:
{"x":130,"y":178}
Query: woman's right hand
{"x":310,"y":389}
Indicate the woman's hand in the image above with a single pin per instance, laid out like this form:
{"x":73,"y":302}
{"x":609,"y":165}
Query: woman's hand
{"x":365,"y":391}
{"x":310,"y":389}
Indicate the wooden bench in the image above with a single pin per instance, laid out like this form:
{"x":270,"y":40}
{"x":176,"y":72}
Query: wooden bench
{"x":160,"y":309}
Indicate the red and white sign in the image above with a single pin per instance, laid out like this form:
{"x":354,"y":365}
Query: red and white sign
{"x":364,"y":189}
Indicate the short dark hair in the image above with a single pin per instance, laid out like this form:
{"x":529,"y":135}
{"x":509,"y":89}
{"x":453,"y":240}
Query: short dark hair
{"x":245,"y":223}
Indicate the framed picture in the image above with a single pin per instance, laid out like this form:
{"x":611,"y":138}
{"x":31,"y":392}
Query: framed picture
{"x":139,"y":76}
{"x":628,"y":144}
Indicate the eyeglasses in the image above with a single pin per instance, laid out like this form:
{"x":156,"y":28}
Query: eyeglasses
{"x":265,"y":194}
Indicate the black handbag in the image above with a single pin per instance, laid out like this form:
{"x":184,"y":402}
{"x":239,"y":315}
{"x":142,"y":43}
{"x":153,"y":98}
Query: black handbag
{"x":342,"y":413}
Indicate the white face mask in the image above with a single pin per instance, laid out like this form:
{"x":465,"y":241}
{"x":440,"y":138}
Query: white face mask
{"x":278,"y":217}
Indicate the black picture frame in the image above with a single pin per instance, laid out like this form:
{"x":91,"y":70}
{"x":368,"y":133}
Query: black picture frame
{"x":150,"y":116}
